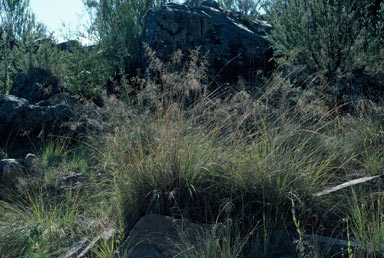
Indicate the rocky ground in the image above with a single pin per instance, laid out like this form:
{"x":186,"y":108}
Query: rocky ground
{"x":159,"y":178}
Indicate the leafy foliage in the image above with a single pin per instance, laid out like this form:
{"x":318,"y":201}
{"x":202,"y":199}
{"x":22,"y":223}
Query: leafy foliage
{"x":117,"y":25}
{"x":13,"y":15}
{"x":24,"y":42}
{"x":17,"y":26}
{"x":327,"y":35}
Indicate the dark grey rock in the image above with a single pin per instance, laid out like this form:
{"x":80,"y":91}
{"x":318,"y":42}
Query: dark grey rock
{"x":69,"y":46}
{"x":92,"y":124}
{"x":17,"y":176}
{"x":33,"y":166}
{"x":236,"y":47}
{"x":38,"y":84}
{"x":60,"y":112}
{"x":211,"y":3}
{"x":61,"y":98}
{"x":19,"y":117}
{"x":23,"y":124}
{"x":9,"y":107}
{"x":157,"y":236}
{"x":353,"y":85}
{"x":12,"y":169}
{"x":71,"y":180}
{"x":192,"y":3}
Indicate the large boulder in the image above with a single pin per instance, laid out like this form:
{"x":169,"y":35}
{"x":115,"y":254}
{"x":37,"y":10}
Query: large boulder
{"x":236,"y":47}
{"x":23,"y":125}
{"x":352,"y":85}
{"x":158,"y":236}
{"x":33,"y":166}
{"x":10,"y":171}
{"x":69,"y":46}
{"x":19,"y":117}
{"x":36,"y":85}
{"x":17,"y":175}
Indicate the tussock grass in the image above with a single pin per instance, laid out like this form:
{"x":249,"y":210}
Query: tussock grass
{"x":46,"y":220}
{"x":250,"y":162}
{"x":365,"y":218}
{"x":38,"y":227}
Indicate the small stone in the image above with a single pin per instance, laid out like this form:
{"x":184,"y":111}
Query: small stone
{"x":33,"y":165}
{"x":72,"y":180}
{"x":12,"y":169}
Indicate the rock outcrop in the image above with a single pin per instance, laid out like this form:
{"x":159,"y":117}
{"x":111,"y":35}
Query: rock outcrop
{"x":23,"y":124}
{"x":15,"y":174}
{"x":158,"y":236}
{"x":38,"y":107}
{"x":69,"y":46}
{"x":22,"y":121}
{"x":236,"y":47}
{"x":353,"y":85}
{"x":36,"y":85}
{"x":10,"y":171}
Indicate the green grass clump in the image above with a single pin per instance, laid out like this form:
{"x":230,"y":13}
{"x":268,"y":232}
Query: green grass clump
{"x":47,"y":220}
{"x":35,"y":227}
{"x":365,"y":217}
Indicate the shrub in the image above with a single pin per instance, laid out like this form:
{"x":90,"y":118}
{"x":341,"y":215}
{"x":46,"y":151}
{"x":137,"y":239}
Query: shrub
{"x":81,"y":71}
{"x":327,"y":35}
{"x":117,"y":24}
{"x":17,"y":25}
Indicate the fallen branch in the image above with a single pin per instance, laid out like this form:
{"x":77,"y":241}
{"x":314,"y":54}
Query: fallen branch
{"x":81,"y":245}
{"x":345,"y":185}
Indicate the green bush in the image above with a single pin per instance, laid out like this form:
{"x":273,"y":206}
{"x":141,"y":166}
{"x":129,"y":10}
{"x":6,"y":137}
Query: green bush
{"x":17,"y":26}
{"x":117,"y":24}
{"x":82,"y":71}
{"x":327,"y":35}
{"x":25,"y":43}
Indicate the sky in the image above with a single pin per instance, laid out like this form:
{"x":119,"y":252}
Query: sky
{"x":53,"y":13}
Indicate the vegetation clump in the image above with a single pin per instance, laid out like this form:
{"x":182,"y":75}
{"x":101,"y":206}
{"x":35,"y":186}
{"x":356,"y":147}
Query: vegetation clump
{"x":252,"y":162}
